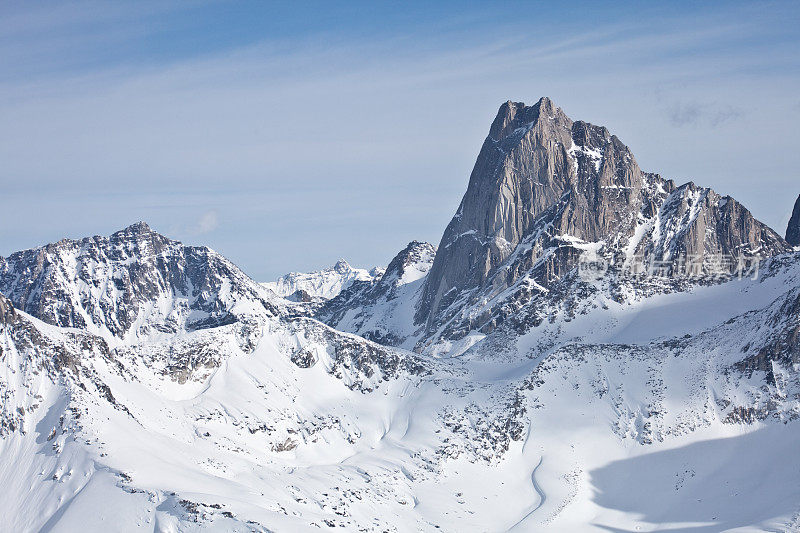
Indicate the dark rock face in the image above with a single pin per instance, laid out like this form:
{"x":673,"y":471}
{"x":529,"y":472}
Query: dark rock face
{"x":793,"y":229}
{"x":134,"y":279}
{"x":300,"y":296}
{"x":535,"y":162}
{"x":7,"y":312}
{"x":544,"y":189}
{"x":696,"y":221}
{"x":304,"y":358}
{"x":784,"y":346}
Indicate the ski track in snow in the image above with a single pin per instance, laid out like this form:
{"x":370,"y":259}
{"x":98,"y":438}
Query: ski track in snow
{"x":542,"y":498}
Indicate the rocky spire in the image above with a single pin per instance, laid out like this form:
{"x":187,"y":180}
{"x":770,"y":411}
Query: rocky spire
{"x":342,"y":266}
{"x":793,"y":229}
{"x":534,"y":160}
{"x":544,"y":187}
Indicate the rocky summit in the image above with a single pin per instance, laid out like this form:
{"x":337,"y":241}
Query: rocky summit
{"x":591,"y":347}
{"x":129,"y":284}
{"x":545,"y":193}
{"x":545,"y":188}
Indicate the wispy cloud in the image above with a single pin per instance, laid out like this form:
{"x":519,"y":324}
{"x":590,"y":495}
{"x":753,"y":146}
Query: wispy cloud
{"x":207,"y":222}
{"x":697,"y":113}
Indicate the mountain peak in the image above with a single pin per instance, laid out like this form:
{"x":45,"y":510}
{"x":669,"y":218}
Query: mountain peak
{"x":135,"y":268}
{"x":326,"y":283}
{"x":137,"y":229}
{"x":417,"y":257}
{"x":541,"y":180}
{"x":793,"y":229}
{"x":342,"y":266}
{"x":516,"y":116}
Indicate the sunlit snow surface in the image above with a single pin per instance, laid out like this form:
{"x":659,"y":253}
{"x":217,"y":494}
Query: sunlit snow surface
{"x":325,"y":283}
{"x":609,"y":421}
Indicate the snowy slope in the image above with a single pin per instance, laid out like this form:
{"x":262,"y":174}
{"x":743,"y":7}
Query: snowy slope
{"x":288,"y":425}
{"x":213,"y":415}
{"x":487,"y":385}
{"x":383,"y":309}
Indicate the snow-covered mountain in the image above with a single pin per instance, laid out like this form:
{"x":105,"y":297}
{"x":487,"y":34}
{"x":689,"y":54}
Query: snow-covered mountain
{"x":322,"y":284}
{"x":545,"y":192}
{"x":135,"y":283}
{"x":490,"y":384}
{"x":185,"y":431}
{"x":383,"y":309}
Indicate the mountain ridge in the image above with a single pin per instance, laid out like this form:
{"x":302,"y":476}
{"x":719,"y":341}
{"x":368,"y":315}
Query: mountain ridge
{"x":155,"y":385}
{"x":546,"y":193}
{"x":94,"y":282}
{"x":541,"y":176}
{"x":321,"y":284}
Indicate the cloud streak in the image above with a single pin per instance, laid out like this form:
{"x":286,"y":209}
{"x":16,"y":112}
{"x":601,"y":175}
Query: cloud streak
{"x":696,"y":113}
{"x":207,"y":223}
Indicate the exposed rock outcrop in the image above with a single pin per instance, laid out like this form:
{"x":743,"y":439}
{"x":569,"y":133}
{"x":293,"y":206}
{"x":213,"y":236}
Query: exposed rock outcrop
{"x":793,"y":229}
{"x":7,"y":312}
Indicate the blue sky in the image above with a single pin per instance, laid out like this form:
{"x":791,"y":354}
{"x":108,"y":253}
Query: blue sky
{"x":287,"y":136}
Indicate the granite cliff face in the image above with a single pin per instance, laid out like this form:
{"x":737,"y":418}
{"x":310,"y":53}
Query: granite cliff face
{"x":538,"y":171}
{"x":545,"y":190}
{"x":793,"y":229}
